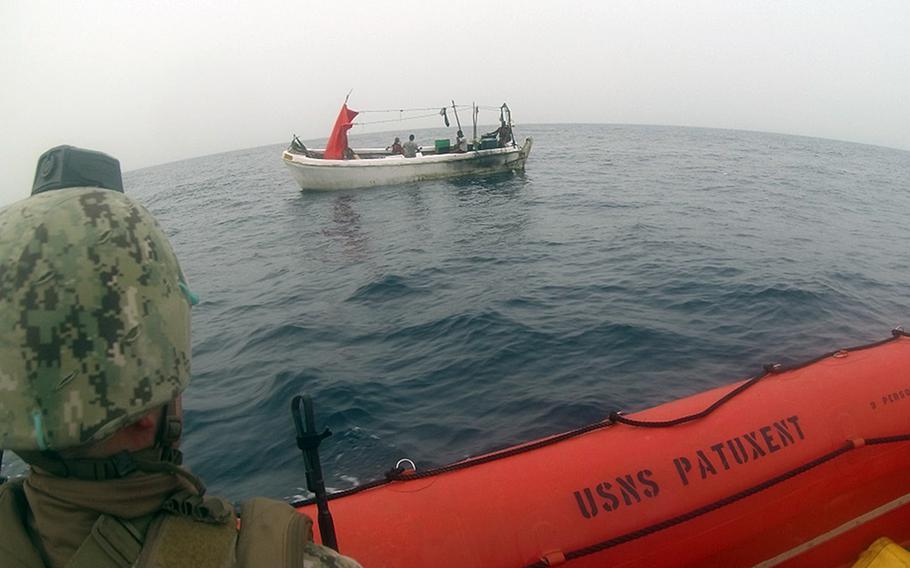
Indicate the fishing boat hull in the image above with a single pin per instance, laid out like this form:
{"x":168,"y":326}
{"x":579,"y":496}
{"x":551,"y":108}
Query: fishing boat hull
{"x":803,"y":467}
{"x":313,"y":173}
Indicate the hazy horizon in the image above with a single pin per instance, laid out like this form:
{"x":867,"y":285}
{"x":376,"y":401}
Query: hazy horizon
{"x":398,"y":132}
{"x":152,"y":84}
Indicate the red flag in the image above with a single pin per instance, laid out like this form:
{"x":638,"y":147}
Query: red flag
{"x":338,"y":140}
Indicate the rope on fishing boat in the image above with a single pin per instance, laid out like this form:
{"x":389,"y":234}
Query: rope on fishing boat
{"x":401,"y":111}
{"x":424,"y":109}
{"x":399,"y":119}
{"x":421,"y":109}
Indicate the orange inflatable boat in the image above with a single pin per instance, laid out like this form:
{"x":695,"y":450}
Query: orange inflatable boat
{"x":799,"y":466}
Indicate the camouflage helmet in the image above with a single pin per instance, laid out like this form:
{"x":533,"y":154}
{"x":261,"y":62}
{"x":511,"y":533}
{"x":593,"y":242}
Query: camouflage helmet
{"x":94,"y":318}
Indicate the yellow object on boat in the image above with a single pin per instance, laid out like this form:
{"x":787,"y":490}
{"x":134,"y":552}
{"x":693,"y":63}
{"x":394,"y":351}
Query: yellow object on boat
{"x":884,"y":553}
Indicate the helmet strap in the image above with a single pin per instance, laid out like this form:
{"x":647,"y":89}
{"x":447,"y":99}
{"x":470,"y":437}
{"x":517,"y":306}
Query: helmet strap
{"x":163,"y":457}
{"x":170,"y":427}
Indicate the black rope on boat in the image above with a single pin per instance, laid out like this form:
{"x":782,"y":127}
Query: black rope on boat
{"x":404,"y":118}
{"x":620,"y":419}
{"x":422,"y":109}
{"x":400,"y":474}
{"x":888,"y":440}
{"x":400,"y":119}
{"x":773,"y":368}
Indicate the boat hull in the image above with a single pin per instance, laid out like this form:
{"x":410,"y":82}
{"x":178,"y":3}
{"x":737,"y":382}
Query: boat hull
{"x":331,"y":175}
{"x":735,"y":488}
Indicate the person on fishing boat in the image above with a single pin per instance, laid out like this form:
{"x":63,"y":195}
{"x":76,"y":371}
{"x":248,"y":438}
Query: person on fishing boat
{"x":461,"y":145}
{"x":504,"y":135}
{"x":395,"y":148}
{"x":94,"y":356}
{"x":410,"y":148}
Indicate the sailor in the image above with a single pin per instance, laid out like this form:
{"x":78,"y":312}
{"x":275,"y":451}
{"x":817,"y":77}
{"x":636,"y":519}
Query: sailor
{"x":410,"y":147}
{"x":504,"y":134}
{"x":461,"y":145}
{"x":94,"y":356}
{"x":395,"y":147}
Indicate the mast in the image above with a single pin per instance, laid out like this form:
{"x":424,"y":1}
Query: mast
{"x":474,"y":105}
{"x":455,"y":109}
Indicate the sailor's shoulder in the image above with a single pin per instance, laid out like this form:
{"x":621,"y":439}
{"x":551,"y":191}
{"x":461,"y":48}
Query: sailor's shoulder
{"x":16,"y":547}
{"x":317,"y":556}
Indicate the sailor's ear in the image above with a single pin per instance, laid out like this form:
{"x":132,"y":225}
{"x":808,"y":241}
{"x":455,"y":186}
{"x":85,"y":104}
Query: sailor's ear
{"x":147,"y":422}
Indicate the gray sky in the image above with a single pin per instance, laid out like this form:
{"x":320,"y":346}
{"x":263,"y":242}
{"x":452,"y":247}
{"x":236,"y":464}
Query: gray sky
{"x":152,"y":82}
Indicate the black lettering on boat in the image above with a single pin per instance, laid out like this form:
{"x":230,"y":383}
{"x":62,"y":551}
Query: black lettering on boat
{"x":631,"y":489}
{"x":704,"y":465}
{"x":589,"y":511}
{"x":783,"y":432}
{"x":757,"y":451}
{"x":718,"y":449}
{"x":626,"y":491}
{"x":795,"y":421}
{"x":757,"y":444}
{"x":738,"y":450}
{"x":651,"y":487}
{"x":892,"y":397}
{"x":683,"y":466}
{"x":765,"y":432}
{"x":610,"y":501}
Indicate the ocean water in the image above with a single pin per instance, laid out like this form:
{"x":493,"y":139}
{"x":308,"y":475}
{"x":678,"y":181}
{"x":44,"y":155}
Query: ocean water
{"x":628,"y":266}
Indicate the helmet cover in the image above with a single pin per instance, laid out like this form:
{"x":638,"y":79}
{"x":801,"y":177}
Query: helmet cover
{"x":94,"y":318}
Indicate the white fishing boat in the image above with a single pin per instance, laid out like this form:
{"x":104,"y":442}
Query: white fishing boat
{"x":339,"y":167}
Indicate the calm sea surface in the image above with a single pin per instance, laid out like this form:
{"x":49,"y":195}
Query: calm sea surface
{"x":626,"y":267}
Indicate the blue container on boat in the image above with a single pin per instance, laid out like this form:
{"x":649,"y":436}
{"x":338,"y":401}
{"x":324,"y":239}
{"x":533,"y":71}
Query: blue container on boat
{"x":489,"y":143}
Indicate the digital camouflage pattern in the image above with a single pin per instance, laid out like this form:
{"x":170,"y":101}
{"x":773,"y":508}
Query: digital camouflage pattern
{"x":316,"y":556}
{"x":94,"y":318}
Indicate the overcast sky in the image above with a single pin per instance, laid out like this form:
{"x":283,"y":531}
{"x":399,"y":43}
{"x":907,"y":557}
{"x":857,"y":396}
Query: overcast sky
{"x":152,"y":82}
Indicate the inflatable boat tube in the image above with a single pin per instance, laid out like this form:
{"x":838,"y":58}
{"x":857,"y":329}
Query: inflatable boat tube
{"x":799,"y":466}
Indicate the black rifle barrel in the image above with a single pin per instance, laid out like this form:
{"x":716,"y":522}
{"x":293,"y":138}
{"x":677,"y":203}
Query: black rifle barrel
{"x":308,"y":441}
